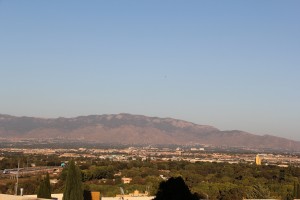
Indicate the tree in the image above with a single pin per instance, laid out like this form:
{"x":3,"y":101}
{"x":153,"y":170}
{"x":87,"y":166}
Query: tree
{"x":281,"y":175}
{"x":234,"y":193}
{"x":174,"y":189}
{"x":258,"y":192}
{"x":73,"y":186}
{"x":288,"y":196}
{"x":298,"y":191}
{"x":295,"y":191}
{"x":44,"y":190}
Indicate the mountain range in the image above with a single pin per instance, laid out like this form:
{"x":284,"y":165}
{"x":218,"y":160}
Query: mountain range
{"x":136,"y":129}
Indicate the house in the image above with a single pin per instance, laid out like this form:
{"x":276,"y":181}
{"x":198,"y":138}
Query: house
{"x":126,"y":180}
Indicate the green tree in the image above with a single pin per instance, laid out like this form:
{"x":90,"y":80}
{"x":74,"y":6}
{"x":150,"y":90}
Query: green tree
{"x":281,"y":175}
{"x":258,"y":192}
{"x":73,"y":186}
{"x":295,"y":191}
{"x":298,"y":191}
{"x":234,"y":193}
{"x":44,"y":190}
{"x":288,"y":196}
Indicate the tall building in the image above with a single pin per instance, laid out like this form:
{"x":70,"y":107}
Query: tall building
{"x":258,"y":160}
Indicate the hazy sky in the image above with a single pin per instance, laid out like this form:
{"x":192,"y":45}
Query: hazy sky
{"x":230,"y":64}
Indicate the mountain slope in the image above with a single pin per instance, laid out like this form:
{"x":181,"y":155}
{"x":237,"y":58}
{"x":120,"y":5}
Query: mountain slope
{"x":135,"y":129}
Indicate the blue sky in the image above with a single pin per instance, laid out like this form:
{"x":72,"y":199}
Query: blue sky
{"x":230,"y":64}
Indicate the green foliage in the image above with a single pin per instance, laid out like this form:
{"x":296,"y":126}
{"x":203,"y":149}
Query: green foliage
{"x":73,"y":186}
{"x":282,"y":175}
{"x":44,"y":190}
{"x":153,"y":182}
{"x":233,"y":193}
{"x":102,"y":172}
{"x":298,"y":191}
{"x":257,"y":192}
{"x":288,"y":196}
{"x":63,"y":174}
{"x":29,"y":185}
{"x":202,"y":178}
{"x":295,"y":191}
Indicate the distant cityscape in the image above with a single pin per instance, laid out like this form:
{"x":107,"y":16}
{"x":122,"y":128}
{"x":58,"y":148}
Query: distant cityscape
{"x":193,"y":154}
{"x":89,"y":153}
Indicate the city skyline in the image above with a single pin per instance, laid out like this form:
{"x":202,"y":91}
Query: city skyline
{"x":231,"y":65}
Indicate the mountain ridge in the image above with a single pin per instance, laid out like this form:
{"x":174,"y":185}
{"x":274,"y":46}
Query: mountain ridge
{"x":135,"y":129}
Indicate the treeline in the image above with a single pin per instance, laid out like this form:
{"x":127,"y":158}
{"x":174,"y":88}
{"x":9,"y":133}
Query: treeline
{"x":213,"y":180}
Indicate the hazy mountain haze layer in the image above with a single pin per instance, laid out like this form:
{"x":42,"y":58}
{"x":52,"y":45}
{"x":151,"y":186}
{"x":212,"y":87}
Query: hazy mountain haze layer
{"x":135,"y":129}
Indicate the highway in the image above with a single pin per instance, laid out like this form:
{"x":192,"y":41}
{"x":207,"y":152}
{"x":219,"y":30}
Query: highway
{"x":30,"y":171}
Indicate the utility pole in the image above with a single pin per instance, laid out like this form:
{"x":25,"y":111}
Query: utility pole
{"x":17,"y":183}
